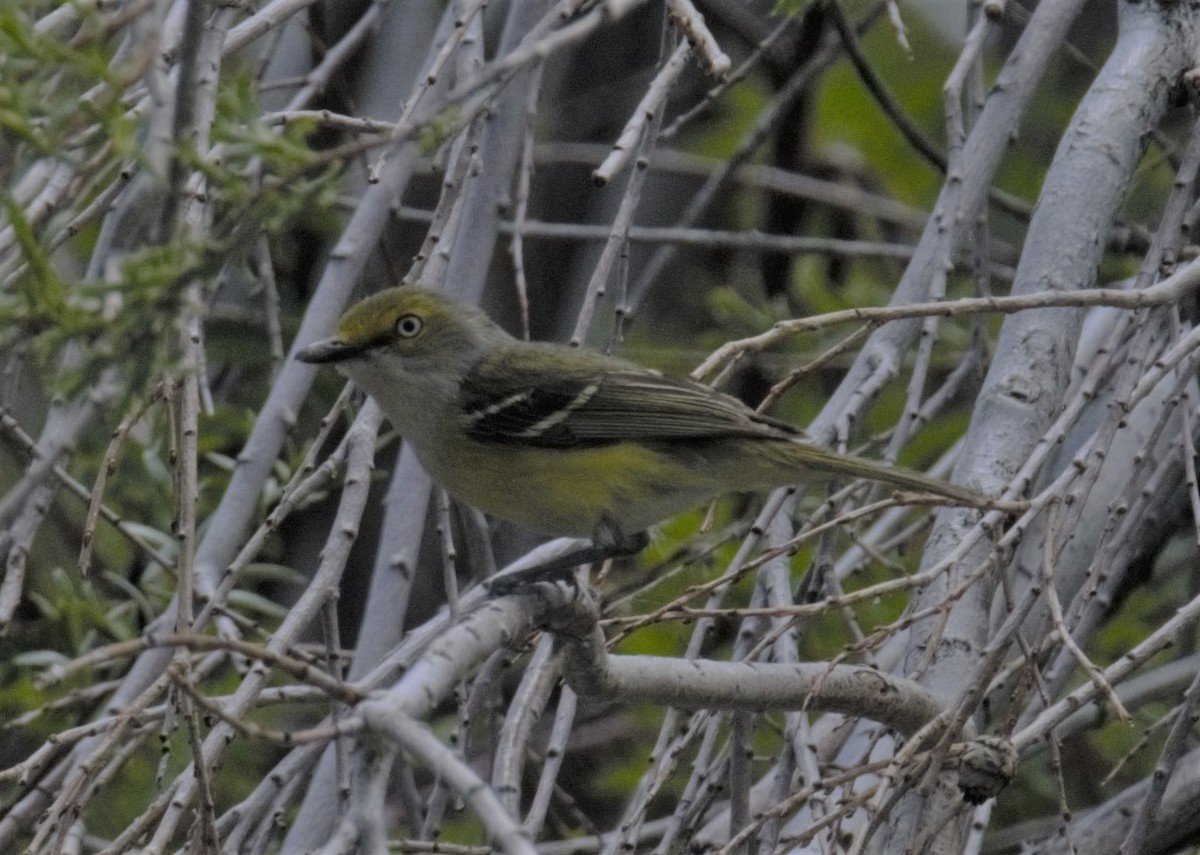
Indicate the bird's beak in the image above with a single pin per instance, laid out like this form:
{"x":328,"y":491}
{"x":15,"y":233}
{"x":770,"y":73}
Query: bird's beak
{"x":327,"y":351}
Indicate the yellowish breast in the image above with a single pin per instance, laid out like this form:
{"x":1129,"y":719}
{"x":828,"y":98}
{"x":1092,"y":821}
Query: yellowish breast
{"x":568,"y":492}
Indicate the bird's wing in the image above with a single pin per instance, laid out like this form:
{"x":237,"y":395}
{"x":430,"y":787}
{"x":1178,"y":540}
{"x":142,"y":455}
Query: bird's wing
{"x":551,"y":396}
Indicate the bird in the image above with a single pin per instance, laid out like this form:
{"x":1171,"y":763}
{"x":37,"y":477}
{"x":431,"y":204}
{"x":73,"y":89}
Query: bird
{"x":567,"y":441}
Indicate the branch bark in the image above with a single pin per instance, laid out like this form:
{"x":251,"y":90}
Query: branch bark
{"x":1030,"y":371}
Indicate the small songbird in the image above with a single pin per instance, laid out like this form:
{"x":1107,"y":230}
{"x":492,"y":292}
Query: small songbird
{"x":566,"y":441}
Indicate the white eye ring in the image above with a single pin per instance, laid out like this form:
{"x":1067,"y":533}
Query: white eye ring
{"x":409,"y":326}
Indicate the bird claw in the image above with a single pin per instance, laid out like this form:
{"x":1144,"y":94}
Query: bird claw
{"x":529,"y":581}
{"x":608,"y":543}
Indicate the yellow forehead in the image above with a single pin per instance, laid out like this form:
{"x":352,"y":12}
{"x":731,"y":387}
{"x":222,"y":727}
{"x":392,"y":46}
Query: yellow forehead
{"x":376,"y":316}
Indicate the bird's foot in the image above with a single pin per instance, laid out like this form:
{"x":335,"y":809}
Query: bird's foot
{"x":561,"y":570}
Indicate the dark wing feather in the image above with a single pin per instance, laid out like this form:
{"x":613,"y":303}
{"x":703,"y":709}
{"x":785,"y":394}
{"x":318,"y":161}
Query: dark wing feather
{"x":592,"y":399}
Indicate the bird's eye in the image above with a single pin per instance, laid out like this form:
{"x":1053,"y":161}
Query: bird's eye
{"x":409,"y":326}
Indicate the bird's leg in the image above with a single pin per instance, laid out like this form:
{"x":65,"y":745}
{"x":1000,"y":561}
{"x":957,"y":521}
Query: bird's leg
{"x":607,"y":542}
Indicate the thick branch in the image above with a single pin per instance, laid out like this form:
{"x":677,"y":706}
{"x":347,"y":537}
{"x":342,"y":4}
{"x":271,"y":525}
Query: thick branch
{"x":746,"y":685}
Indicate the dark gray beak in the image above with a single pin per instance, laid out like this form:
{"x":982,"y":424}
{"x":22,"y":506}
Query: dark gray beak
{"x":328,"y":350}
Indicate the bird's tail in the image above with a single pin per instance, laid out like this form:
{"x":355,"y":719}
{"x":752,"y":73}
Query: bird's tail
{"x":806,"y":459}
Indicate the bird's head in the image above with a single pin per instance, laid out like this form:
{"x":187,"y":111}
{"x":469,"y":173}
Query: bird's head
{"x":405,"y":340}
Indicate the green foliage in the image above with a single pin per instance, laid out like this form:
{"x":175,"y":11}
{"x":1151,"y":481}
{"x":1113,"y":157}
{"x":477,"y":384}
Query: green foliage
{"x":37,"y":71}
{"x":137,"y":303}
{"x":436,"y":132}
{"x":850,"y":125}
{"x":43,"y":291}
{"x":67,"y":98}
